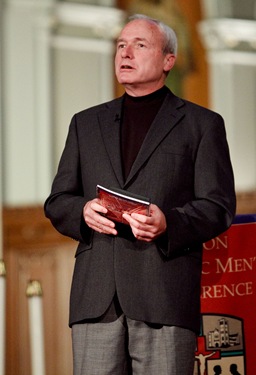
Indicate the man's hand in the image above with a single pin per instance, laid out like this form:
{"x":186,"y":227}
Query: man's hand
{"x":92,"y":216}
{"x":147,"y":228}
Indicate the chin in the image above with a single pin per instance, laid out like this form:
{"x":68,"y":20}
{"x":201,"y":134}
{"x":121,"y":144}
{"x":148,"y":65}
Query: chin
{"x":125,"y":82}
{"x":123,"y":79}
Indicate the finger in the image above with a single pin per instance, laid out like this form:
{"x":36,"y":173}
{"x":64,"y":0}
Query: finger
{"x":104,"y":225}
{"x":141,"y":218}
{"x":96,"y":207}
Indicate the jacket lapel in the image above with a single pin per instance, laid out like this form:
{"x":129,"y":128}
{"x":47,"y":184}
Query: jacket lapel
{"x":167,"y":118}
{"x":110,"y":121}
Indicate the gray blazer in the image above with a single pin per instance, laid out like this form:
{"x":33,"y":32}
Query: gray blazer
{"x":184,"y":167}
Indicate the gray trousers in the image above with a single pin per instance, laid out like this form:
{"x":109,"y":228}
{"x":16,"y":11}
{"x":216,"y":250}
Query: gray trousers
{"x":126,"y":346}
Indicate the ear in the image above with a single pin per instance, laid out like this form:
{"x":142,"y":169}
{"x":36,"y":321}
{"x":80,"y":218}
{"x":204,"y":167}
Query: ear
{"x":169,"y":62}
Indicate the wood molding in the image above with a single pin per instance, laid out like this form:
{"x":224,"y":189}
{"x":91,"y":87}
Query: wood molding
{"x":246,"y":202}
{"x":27,"y":227}
{"x":34,"y":250}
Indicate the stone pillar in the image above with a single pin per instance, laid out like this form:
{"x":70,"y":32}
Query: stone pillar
{"x":231,"y":53}
{"x":26,"y":102}
{"x":82,"y":62}
{"x":56,"y":59}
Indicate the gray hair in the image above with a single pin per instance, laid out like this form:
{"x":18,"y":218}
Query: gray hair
{"x":170,"y":39}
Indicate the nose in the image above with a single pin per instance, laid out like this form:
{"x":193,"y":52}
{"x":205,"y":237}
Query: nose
{"x":127,"y":52}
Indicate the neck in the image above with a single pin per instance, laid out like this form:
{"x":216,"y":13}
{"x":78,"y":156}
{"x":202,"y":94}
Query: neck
{"x":141,"y":90}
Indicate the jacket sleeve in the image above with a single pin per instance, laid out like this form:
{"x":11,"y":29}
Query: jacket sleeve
{"x":212,"y":209}
{"x":64,"y":206}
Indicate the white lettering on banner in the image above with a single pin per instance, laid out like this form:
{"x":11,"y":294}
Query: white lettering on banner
{"x":235,"y":265}
{"x":216,"y":243}
{"x":223,"y":291}
{"x":205,"y":270}
{"x":229,"y":265}
{"x":225,"y":265}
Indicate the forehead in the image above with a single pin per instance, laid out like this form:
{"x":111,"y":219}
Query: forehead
{"x":141,"y":29}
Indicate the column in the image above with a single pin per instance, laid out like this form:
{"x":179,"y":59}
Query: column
{"x":26,"y":100}
{"x":231,"y":54}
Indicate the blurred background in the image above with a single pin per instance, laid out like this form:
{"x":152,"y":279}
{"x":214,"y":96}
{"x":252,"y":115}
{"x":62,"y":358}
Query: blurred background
{"x":56,"y":58}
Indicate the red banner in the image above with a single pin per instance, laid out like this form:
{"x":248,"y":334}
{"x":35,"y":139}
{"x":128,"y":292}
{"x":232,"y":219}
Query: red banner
{"x":227,"y":341}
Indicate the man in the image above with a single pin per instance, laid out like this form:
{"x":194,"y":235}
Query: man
{"x":217,"y":370}
{"x":233,"y":369}
{"x":135,"y":297}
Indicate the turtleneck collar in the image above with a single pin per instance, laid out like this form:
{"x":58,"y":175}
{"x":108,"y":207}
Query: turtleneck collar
{"x":158,"y":94}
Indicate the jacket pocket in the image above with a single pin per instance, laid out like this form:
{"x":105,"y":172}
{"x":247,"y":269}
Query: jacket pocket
{"x":84,"y":247}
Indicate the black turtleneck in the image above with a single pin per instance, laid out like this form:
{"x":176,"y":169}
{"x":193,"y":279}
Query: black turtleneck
{"x":137,"y":116}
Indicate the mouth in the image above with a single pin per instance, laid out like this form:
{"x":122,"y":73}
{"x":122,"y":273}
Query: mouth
{"x":126,"y":67}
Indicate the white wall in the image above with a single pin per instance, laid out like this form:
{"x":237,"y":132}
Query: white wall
{"x":231,"y":54}
{"x":48,"y":75}
{"x":26,"y":102}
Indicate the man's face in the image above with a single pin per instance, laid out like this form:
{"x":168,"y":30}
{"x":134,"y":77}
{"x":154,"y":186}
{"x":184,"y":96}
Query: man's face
{"x":140,"y":64}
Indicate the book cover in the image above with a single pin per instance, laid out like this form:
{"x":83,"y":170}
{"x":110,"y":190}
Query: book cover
{"x":118,"y":202}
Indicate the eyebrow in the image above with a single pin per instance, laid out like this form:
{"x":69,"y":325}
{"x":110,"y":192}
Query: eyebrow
{"x":137,"y":39}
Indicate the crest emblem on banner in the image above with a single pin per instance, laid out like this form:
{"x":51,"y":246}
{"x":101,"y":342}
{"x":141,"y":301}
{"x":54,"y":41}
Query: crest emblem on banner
{"x":220,"y":346}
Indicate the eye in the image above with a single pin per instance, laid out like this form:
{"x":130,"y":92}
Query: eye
{"x":120,"y":46}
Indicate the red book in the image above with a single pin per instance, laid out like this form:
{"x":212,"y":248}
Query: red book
{"x":118,"y":202}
